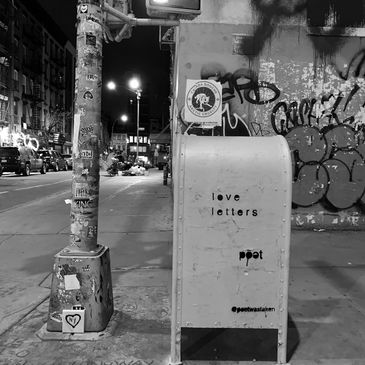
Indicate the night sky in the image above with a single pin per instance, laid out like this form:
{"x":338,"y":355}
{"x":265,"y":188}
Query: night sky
{"x":139,"y":55}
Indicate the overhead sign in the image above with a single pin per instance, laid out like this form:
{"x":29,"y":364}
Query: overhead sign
{"x":187,"y":8}
{"x":203,"y":102}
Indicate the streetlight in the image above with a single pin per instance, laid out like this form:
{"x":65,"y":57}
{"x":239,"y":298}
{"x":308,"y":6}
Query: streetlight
{"x":111,"y":85}
{"x":135,"y":85}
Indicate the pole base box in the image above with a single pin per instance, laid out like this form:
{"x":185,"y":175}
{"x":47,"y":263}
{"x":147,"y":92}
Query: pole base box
{"x":81,"y":293}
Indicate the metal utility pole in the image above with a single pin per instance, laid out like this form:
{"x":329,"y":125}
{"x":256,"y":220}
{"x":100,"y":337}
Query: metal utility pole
{"x":138,"y":95}
{"x":81,"y":299}
{"x":81,"y":273}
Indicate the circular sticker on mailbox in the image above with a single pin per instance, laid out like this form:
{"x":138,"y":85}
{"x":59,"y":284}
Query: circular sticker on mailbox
{"x":203,"y":99}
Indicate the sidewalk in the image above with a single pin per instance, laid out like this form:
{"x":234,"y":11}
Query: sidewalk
{"x":326,"y":294}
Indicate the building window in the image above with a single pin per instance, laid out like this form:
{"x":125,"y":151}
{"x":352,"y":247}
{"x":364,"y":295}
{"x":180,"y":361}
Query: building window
{"x":16,"y":107}
{"x":16,"y":17}
{"x":24,"y":84}
{"x":46,"y":68}
{"x":16,"y":46}
{"x":46,"y":44}
{"x":16,"y":80}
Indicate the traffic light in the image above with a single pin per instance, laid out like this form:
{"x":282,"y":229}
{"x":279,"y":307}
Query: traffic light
{"x":182,"y":8}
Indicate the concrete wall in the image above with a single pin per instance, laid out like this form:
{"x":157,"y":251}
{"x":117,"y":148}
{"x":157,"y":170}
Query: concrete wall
{"x":304,"y":83}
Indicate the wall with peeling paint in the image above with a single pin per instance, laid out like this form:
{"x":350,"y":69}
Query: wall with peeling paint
{"x":288,"y":83}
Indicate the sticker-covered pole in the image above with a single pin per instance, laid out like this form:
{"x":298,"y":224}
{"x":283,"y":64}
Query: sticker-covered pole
{"x":81,"y":278}
{"x":85,"y":180}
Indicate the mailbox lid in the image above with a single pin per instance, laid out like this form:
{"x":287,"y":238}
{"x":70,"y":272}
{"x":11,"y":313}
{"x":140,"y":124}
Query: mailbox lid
{"x":236,"y":202}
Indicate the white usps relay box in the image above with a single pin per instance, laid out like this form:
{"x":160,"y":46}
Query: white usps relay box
{"x":232,"y":204}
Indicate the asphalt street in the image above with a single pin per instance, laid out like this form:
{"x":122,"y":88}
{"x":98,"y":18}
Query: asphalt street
{"x":16,"y":190}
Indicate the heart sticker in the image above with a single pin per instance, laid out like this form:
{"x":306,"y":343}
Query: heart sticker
{"x":73,"y":319}
{"x":83,"y":8}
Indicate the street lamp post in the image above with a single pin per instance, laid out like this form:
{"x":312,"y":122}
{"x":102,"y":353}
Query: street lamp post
{"x":135,"y":85}
{"x":123,"y":118}
{"x":138,"y":95}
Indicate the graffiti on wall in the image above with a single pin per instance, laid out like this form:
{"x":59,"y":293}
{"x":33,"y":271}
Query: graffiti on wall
{"x":326,"y":136}
{"x":329,"y":166}
{"x":313,"y":112}
{"x":355,"y":67}
{"x":243,"y":82}
{"x":326,"y":133}
{"x":23,"y":139}
{"x":335,"y":15}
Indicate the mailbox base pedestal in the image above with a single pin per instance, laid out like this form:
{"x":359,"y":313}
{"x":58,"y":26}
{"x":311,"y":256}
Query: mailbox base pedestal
{"x":81,"y":281}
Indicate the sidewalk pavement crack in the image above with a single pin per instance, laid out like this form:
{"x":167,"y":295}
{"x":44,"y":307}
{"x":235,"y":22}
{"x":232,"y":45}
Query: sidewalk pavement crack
{"x":356,"y":306}
{"x":135,"y":232}
{"x":8,"y":236}
{"x":44,"y":280}
{"x":136,"y":267}
{"x":32,"y":234}
{"x":31,"y":309}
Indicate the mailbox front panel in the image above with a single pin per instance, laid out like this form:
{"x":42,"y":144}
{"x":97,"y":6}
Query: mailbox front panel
{"x":234,"y":205}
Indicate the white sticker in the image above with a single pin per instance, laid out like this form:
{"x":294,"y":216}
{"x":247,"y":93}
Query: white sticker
{"x":77,"y":118}
{"x":71,"y":282}
{"x":86,"y":154}
{"x":73,"y":320}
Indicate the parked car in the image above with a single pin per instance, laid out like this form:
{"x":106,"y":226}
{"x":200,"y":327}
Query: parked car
{"x":68,"y":159}
{"x":21,"y":160}
{"x":54,"y":160}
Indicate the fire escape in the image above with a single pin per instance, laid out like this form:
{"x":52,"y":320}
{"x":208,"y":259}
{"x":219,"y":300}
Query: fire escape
{"x":32,"y":64}
{"x":4,"y":63}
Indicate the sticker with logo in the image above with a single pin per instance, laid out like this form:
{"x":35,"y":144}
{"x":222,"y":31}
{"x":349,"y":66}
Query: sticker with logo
{"x":82,"y":203}
{"x":92,"y":231}
{"x":83,"y":8}
{"x":91,"y":77}
{"x":87,"y":130}
{"x":90,"y":39}
{"x":73,"y":319}
{"x":203,"y":99}
{"x":87,"y":154}
{"x":82,"y":190}
{"x":91,"y":18}
{"x":88,"y":95}
{"x":82,"y":111}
